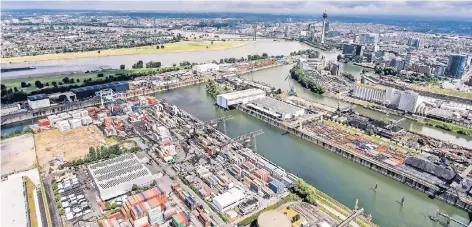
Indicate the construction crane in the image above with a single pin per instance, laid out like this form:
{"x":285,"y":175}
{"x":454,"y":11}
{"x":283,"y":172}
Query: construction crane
{"x":291,"y":90}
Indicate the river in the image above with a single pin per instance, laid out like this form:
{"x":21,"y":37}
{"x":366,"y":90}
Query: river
{"x":338,"y":177}
{"x":83,"y":64}
{"x":276,"y":77}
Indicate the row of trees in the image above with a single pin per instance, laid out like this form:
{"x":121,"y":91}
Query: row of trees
{"x":306,"y":82}
{"x":310,"y":52}
{"x":348,"y":76}
{"x":213,"y":88}
{"x":100,"y":153}
{"x":153,"y":64}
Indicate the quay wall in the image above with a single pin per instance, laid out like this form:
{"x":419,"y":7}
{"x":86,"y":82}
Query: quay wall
{"x":382,"y":168}
{"x":56,"y":109}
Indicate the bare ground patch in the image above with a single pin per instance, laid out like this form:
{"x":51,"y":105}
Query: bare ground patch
{"x":18,"y":154}
{"x":69,"y":145}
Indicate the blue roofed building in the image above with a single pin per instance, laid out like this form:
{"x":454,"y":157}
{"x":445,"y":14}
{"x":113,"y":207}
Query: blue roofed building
{"x":89,"y":91}
{"x":38,"y":101}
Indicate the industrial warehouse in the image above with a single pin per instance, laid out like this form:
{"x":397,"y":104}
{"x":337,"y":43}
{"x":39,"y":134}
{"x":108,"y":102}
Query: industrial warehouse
{"x":116,"y":176}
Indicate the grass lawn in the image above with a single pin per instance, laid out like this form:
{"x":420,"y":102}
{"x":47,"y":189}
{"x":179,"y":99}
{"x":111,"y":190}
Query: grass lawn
{"x":443,"y":91}
{"x":170,"y":47}
{"x":30,"y":200}
{"x":16,"y":82}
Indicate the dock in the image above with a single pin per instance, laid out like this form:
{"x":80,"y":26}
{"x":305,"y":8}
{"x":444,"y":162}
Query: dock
{"x":368,"y":162}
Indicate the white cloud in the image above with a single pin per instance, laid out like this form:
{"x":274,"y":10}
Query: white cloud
{"x":420,"y":8}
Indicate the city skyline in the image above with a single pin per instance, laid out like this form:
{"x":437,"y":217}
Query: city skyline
{"x":456,"y":9}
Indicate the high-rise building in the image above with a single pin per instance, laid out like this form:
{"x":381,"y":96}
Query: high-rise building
{"x":369,"y":38}
{"x":325,"y":15}
{"x":326,"y":27}
{"x":456,"y":66}
{"x":407,"y":62}
{"x":349,"y":50}
{"x":359,"y":50}
{"x":414,"y":42}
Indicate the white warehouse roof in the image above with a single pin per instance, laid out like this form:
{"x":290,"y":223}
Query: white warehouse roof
{"x":116,"y":176}
{"x":242,"y":94}
{"x":14,"y":203}
{"x":231,"y":197}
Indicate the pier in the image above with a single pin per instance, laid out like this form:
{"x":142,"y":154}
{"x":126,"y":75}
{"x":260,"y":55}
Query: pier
{"x":382,"y":168}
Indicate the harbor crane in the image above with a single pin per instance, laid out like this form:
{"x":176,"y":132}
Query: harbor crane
{"x":214,"y":122}
{"x":291,"y":90}
{"x":247,"y":137}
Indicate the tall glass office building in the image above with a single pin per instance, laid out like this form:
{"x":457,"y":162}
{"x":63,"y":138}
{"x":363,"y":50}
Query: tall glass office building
{"x":456,"y":66}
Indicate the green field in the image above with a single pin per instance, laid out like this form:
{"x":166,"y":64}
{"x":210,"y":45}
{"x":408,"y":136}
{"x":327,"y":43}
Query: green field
{"x":169,"y":47}
{"x":11,"y":83}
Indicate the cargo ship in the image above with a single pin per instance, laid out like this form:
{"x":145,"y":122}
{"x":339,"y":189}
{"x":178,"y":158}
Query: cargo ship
{"x":18,"y":69}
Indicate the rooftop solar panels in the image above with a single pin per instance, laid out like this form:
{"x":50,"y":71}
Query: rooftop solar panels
{"x":116,"y":176}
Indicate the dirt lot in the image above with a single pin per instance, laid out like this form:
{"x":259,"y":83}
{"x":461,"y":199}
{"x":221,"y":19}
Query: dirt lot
{"x":18,"y":154}
{"x":68,"y":145}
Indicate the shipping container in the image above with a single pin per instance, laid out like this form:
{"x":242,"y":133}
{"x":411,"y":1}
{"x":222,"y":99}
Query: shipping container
{"x":141,"y":222}
{"x":44,"y":122}
{"x":169,"y":213}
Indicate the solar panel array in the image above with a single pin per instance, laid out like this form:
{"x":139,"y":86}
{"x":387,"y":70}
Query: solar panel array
{"x":115,"y":171}
{"x":123,"y":179}
{"x":118,"y":159}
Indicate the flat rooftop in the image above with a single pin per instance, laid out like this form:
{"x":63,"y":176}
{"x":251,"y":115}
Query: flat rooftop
{"x":14,"y":211}
{"x":242,"y":93}
{"x":274,"y":105}
{"x":116,"y":176}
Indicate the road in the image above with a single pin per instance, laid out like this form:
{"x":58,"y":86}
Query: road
{"x":55,"y":218}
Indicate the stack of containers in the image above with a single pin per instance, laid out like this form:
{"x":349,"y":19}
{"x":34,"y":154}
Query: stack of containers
{"x":276,"y":186}
{"x":169,"y":213}
{"x":140,"y":222}
{"x":75,"y":123}
{"x":138,"y":205}
{"x":180,"y":220}
{"x":190,"y":202}
{"x":64,"y":116}
{"x":249,"y":166}
{"x":75,"y":114}
{"x":83,"y":113}
{"x":262,"y":174}
{"x":53,"y":119}
{"x":156,"y":216}
{"x":86,"y":120}
{"x":44,"y":123}
{"x":109,"y":222}
{"x":279,"y":173}
{"x":152,"y":100}
{"x":63,"y":125}
{"x":255,"y":185}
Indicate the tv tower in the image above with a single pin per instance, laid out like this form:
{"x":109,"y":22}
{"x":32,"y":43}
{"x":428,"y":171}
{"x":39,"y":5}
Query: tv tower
{"x":325,"y":15}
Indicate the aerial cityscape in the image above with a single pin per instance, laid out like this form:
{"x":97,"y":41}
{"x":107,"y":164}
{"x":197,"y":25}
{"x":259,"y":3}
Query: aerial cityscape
{"x":249,"y":113}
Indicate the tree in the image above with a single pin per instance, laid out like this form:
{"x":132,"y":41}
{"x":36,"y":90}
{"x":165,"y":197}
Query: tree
{"x":54,"y":83}
{"x":65,"y":80}
{"x":38,"y":84}
{"x":15,"y":89}
{"x":122,"y":67}
{"x":296,"y":218}
{"x":108,"y":205}
{"x":23,"y":84}
{"x":162,"y":46}
{"x":100,"y":75}
{"x":174,"y":65}
{"x":157,"y":47}
{"x":222,"y":61}
{"x":211,"y":42}
{"x":72,"y":80}
{"x":339,"y":57}
{"x":264,"y":55}
{"x":98,"y":52}
{"x":78,"y":81}
{"x":5,"y":87}
{"x":134,"y":187}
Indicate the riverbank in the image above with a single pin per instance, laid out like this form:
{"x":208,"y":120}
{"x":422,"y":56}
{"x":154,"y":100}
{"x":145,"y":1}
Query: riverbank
{"x":168,"y":48}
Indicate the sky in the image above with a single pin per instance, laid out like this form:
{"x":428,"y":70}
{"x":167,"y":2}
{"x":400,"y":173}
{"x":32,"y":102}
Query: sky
{"x":394,"y":7}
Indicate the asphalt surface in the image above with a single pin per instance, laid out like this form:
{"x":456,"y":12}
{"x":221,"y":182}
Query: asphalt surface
{"x":55,"y":218}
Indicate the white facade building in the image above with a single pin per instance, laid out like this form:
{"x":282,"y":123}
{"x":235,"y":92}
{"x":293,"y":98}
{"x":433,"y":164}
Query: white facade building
{"x":228,"y":200}
{"x":38,"y":101}
{"x":369,"y":93}
{"x":239,"y":97}
{"x":409,"y":101}
{"x":116,"y":176}
{"x":206,"y":68}
{"x":276,"y":109}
